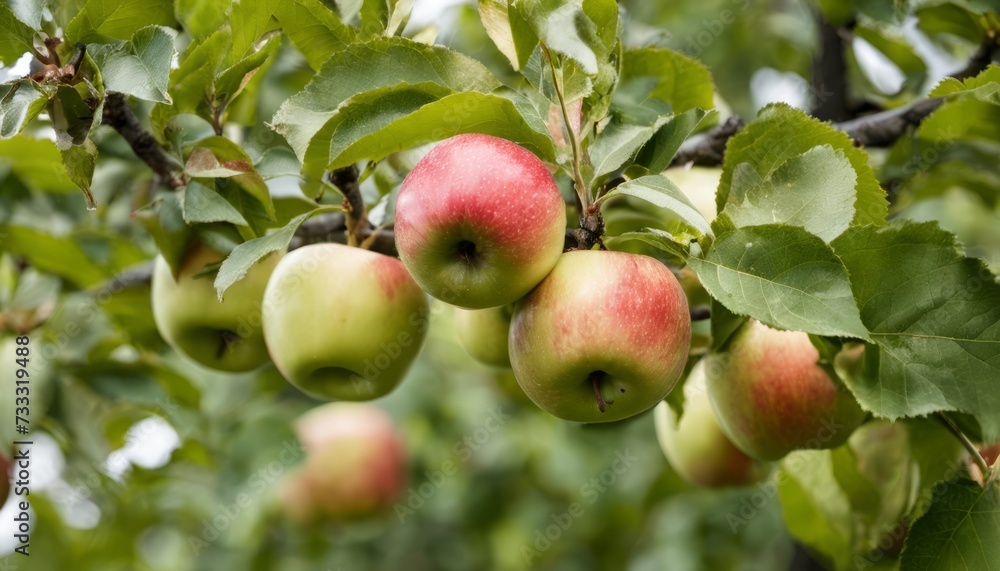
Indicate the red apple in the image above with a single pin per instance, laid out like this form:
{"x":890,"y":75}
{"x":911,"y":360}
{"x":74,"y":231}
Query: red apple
{"x":479,"y":222}
{"x":605,"y":336}
{"x":355,"y":466}
{"x":771,"y":396}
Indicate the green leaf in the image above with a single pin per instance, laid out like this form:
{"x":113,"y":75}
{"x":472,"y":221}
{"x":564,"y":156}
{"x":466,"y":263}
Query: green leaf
{"x":348,"y":73}
{"x":35,"y":162}
{"x":565,"y":28}
{"x":935,"y":317}
{"x":15,"y":36}
{"x":958,"y":532}
{"x":101,"y":20}
{"x":72,"y":116}
{"x":780,"y":133}
{"x":164,"y":221}
{"x":20,"y":102}
{"x":508,"y":29}
{"x":814,"y":190}
{"x":621,"y":139}
{"x":674,"y":78}
{"x":675,"y":245}
{"x":468,"y":112}
{"x":782,"y":276}
{"x":845,"y":503}
{"x":661,"y":191}
{"x":139,"y":67}
{"x":239,"y":261}
{"x":80,"y":161}
{"x":203,"y":205}
{"x":231,"y":81}
{"x":249,"y":20}
{"x":313,"y":29}
{"x":658,"y":153}
{"x":967,"y":119}
{"x":236,"y":180}
{"x":57,"y":255}
{"x":201,"y":17}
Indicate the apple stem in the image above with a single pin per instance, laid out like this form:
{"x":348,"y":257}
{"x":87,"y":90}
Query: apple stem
{"x":225,"y":340}
{"x":969,"y":446}
{"x":601,"y":405}
{"x":346,"y":181}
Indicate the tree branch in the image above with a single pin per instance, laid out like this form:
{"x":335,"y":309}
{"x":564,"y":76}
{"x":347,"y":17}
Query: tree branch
{"x":883,"y":129}
{"x":119,"y":116}
{"x":876,"y":130}
{"x":332,"y":227}
{"x":708,"y":148}
{"x":979,"y":60}
{"x":829,"y":73}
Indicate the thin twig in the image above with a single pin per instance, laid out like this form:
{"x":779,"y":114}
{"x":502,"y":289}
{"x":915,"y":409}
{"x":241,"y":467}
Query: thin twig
{"x":119,"y":116}
{"x":969,"y":446}
{"x":581,"y":187}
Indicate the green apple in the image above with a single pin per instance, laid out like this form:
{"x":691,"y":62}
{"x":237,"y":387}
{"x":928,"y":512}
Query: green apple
{"x":604,"y":337}
{"x":484,"y":334}
{"x":224,"y":335}
{"x":343,"y":323}
{"x":355,"y":464}
{"x":771,"y":396}
{"x":479,"y":221}
{"x":695,"y":445}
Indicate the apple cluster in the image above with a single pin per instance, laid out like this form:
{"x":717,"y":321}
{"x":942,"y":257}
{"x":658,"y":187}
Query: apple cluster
{"x":590,"y":335}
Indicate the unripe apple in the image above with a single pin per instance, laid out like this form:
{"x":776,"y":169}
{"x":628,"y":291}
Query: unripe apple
{"x":355,"y":464}
{"x":605,"y":336}
{"x":695,"y":445}
{"x":222,"y":335}
{"x":342,"y":322}
{"x":484,"y":334}
{"x":479,"y":222}
{"x":771,"y":396}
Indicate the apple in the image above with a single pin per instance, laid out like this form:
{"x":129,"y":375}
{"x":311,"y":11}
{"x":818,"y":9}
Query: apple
{"x":699,"y":184}
{"x":222,"y":335}
{"x":343,"y":323}
{"x":5,"y":466}
{"x":355,"y":464}
{"x":479,"y":222}
{"x":695,"y":445}
{"x":484,"y":333}
{"x":771,"y":396}
{"x":604,"y":337}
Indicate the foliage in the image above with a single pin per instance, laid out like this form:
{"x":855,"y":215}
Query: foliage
{"x":253,"y":104}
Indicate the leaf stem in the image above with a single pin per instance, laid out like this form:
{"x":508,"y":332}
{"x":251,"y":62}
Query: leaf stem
{"x":583,"y":195}
{"x":969,"y":446}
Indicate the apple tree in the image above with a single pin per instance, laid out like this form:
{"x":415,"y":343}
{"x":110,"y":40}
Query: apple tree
{"x":628,"y":284}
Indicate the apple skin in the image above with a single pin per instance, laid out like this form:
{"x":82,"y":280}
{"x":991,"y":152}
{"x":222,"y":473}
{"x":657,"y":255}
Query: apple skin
{"x":355,"y":464}
{"x":5,"y":466}
{"x":771,"y":397}
{"x":479,"y":222}
{"x":222,"y":335}
{"x":622,"y":316}
{"x":343,"y":323}
{"x":484,"y":333}
{"x":696,"y":447}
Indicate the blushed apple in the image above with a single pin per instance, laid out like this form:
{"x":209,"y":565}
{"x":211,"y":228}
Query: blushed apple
{"x":355,"y":464}
{"x":479,"y":222}
{"x":771,"y":396}
{"x":695,"y":445}
{"x":342,"y":322}
{"x":484,"y":334}
{"x":605,"y":336}
{"x":222,"y":335}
